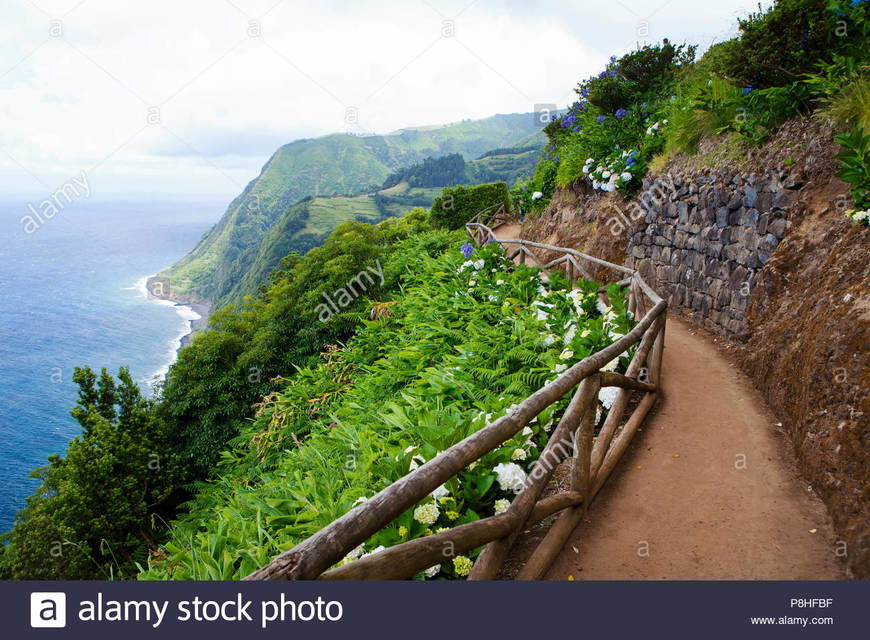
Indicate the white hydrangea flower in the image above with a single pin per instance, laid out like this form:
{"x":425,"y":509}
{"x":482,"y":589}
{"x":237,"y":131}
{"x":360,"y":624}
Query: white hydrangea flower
{"x":440,"y":492}
{"x":569,"y":335}
{"x":577,"y":299}
{"x":426,"y":513}
{"x":511,"y":476}
{"x":499,"y":282}
{"x":602,"y":308}
{"x":607,"y":396}
{"x":466,"y":264}
{"x":377,"y":549}
{"x":549,"y":340}
{"x":431,"y":572}
{"x":501,"y":505}
{"x":537,"y":195}
{"x":492,"y":298}
{"x":519,"y":454}
{"x":626,"y":176}
{"x":606,"y":175}
{"x":566,"y":355}
{"x":356,"y":553}
{"x":559,"y":368}
{"x":527,"y":431}
{"x":479,"y":264}
{"x":416,"y":461}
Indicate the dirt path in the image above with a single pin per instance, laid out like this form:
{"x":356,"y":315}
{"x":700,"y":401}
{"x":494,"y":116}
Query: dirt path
{"x":707,"y":489}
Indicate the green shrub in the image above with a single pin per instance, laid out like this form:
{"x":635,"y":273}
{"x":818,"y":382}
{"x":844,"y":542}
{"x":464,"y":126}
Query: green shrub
{"x":654,"y":66}
{"x":94,"y":514}
{"x":698,"y":110}
{"x":635,"y":76}
{"x":842,"y":87}
{"x":777,"y":46}
{"x":441,"y":365}
{"x":855,"y":157}
{"x":457,"y":205}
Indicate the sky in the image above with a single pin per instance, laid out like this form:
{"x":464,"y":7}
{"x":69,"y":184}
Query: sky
{"x":189,"y":98}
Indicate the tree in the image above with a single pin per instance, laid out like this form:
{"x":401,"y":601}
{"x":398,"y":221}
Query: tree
{"x":94,"y":514}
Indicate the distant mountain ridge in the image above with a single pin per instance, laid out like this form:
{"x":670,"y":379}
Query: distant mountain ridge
{"x":223,"y":264}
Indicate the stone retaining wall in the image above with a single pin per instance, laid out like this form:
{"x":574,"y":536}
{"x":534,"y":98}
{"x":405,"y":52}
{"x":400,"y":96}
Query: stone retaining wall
{"x":705,"y":238}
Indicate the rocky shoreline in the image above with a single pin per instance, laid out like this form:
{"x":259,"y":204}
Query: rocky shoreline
{"x":201,"y":308}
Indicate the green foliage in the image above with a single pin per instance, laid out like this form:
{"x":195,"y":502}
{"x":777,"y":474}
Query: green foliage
{"x":94,"y":514}
{"x":612,"y":132}
{"x":458,"y":205}
{"x":465,"y":341}
{"x":703,"y":105}
{"x":432,"y":172}
{"x":542,"y":182}
{"x":634,"y":77}
{"x":855,"y":157}
{"x":776,"y":47}
{"x":754,"y":114}
{"x":842,"y":87}
{"x":216,"y":381}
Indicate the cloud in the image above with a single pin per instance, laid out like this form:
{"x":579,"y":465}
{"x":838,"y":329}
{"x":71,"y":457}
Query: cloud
{"x":196,"y":95}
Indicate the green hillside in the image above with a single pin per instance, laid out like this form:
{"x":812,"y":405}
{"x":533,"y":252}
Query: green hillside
{"x":309,"y":223}
{"x":331,"y":165}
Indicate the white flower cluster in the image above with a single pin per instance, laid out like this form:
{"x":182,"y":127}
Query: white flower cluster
{"x":501,"y":505}
{"x":611,"y":174}
{"x":426,"y":513}
{"x":477,"y":265}
{"x":537,"y":195}
{"x":607,"y":396}
{"x":654,"y":129}
{"x":510,"y":475}
{"x":519,"y":454}
{"x":859,"y":216}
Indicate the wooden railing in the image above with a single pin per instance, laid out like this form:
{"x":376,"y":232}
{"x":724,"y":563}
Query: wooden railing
{"x":593,"y":457}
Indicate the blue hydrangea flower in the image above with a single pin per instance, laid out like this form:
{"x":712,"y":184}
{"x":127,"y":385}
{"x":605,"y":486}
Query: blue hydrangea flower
{"x":613,"y":73}
{"x":621,"y":113}
{"x":747,"y":91}
{"x":601,"y":119}
{"x":467,"y":250}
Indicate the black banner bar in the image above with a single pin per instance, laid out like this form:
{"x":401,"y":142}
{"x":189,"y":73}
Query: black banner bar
{"x":437,"y":610}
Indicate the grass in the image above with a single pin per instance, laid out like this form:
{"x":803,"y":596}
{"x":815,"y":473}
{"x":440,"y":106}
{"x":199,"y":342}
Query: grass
{"x":851,"y":105}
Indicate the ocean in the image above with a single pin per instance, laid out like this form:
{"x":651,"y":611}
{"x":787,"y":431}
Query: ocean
{"x":72,"y":294}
